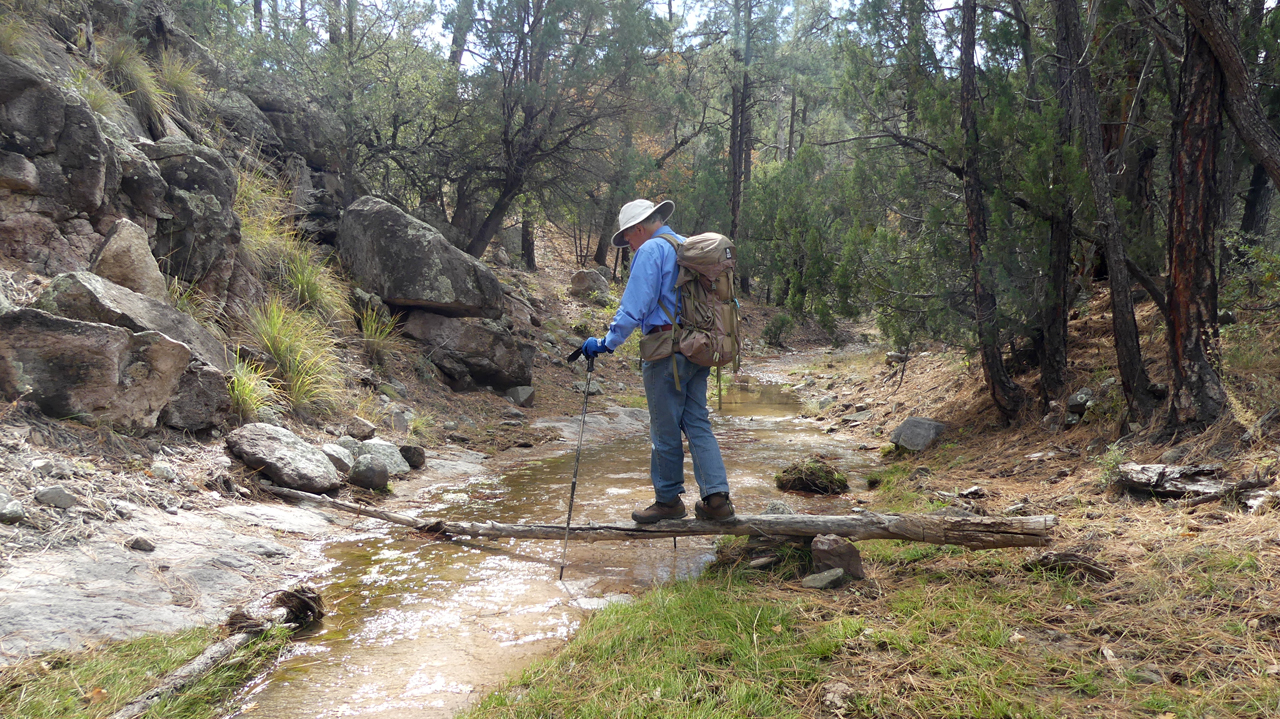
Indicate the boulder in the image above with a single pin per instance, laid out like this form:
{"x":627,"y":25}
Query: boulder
{"x":473,"y":350}
{"x":284,"y":457}
{"x":302,"y":126}
{"x":56,"y":496}
{"x":197,"y":243}
{"x":435,"y":217}
{"x":831,"y":551}
{"x":588,"y":284}
{"x":351,"y":444}
{"x":361,"y":428}
{"x":1078,"y":402}
{"x":339,"y":456}
{"x":87,"y":297}
{"x":824,"y":580}
{"x":407,"y":262}
{"x":86,"y":369}
{"x":243,"y":118}
{"x":126,"y":260}
{"x":521,"y":395}
{"x":201,"y":400}
{"x":917,"y":433}
{"x":387,"y":452}
{"x":11,"y":511}
{"x":369,"y":472}
{"x":415,"y":456}
{"x":604,"y":272}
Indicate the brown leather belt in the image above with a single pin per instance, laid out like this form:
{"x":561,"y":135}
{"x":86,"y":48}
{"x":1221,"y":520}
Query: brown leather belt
{"x":658,"y":328}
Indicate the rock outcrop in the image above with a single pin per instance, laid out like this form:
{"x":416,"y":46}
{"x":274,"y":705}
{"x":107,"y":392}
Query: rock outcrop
{"x":407,"y":262}
{"x":473,"y":351}
{"x":87,"y":369}
{"x":126,"y":260}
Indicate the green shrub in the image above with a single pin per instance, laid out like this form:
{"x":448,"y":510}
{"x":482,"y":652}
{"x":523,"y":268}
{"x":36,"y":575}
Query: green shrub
{"x":307,"y":364}
{"x":129,"y":74}
{"x":777,"y":329}
{"x":312,"y":285}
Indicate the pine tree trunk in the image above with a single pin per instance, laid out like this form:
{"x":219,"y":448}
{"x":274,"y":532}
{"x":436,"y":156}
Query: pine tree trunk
{"x":1053,"y":355}
{"x":1133,"y":374}
{"x":1193,"y":213}
{"x":526,"y":242}
{"x":1008,"y":396}
{"x":493,"y":221}
{"x":1257,"y":207}
{"x":464,"y":17}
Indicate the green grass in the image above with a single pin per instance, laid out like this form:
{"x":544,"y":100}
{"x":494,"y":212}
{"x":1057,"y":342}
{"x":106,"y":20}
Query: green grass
{"x":252,"y":388}
{"x":17,"y":38}
{"x":102,"y":99}
{"x":634,"y":401}
{"x":704,"y":648}
{"x":129,"y":74}
{"x":378,"y":335}
{"x":307,"y":364}
{"x":59,"y":685}
{"x":182,"y":82}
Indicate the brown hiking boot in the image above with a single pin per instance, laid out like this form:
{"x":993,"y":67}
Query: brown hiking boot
{"x":716,"y":507}
{"x":659,"y":511}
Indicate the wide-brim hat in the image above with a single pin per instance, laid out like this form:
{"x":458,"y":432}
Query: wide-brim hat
{"x":634,"y":212}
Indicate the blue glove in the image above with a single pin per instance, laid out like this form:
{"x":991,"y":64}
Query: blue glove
{"x":594,"y":347}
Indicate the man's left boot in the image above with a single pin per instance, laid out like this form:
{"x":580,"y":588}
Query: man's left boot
{"x":716,"y":507}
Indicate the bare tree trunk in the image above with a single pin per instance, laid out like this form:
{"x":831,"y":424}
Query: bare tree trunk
{"x":493,"y":221}
{"x":335,"y":22}
{"x":526,"y":241}
{"x":302,"y":14}
{"x":1257,"y":207}
{"x":1193,"y":213}
{"x":1053,"y":360}
{"x":257,"y":16}
{"x":1008,"y":396}
{"x":464,"y":17}
{"x":1133,"y":374}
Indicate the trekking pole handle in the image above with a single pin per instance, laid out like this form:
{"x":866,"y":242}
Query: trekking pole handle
{"x":591,"y":361}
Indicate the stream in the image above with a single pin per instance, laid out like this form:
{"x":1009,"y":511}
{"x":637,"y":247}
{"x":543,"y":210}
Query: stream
{"x":421,"y":629}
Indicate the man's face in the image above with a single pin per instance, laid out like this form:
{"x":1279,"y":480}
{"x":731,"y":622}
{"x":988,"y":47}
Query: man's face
{"x":637,"y":235}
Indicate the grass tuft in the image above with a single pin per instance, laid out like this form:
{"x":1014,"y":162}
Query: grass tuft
{"x":130,"y":75}
{"x":252,"y":388}
{"x":102,"y":99}
{"x":378,"y":335}
{"x":304,"y":351}
{"x":181,"y":81}
{"x":17,"y":38}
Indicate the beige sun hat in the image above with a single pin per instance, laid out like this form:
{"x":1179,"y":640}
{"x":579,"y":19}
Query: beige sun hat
{"x":635,"y":211}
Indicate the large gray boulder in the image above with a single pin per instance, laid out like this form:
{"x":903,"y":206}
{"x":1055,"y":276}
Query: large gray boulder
{"x":588,"y":284}
{"x":88,"y":370}
{"x":407,"y":262}
{"x":387,"y":452}
{"x":284,"y":457}
{"x":126,"y":260}
{"x":197,"y":243}
{"x":88,"y":297}
{"x":239,"y":115}
{"x":917,"y":433}
{"x":201,"y":400}
{"x":302,"y":126}
{"x":487,"y":351}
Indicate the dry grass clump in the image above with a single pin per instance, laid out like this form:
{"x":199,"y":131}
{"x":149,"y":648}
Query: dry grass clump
{"x":129,"y":74}
{"x":179,"y":78}
{"x":307,"y":365}
{"x":17,"y":37}
{"x":102,"y":99}
{"x":812,"y":474}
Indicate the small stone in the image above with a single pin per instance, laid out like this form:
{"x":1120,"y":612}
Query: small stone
{"x":361,"y":428}
{"x":892,"y":358}
{"x":351,"y":444}
{"x":56,"y":496}
{"x":387,"y":452}
{"x":414,"y":455}
{"x":44,"y":468}
{"x":826,"y":402}
{"x":831,"y":552}
{"x":152,"y":446}
{"x":778,"y":506}
{"x":139,"y":543}
{"x":1146,"y":675}
{"x":974,"y":492}
{"x":513,"y":413}
{"x":164,"y":472}
{"x":512,"y":423}
{"x":400,"y":419}
{"x":1078,"y":401}
{"x":1072,"y":419}
{"x":449,"y":426}
{"x":11,"y":511}
{"x":368,"y":472}
{"x":268,"y":415}
{"x":523,"y":395}
{"x":860,"y":407}
{"x":1174,"y":455}
{"x":860,"y":416}
{"x":591,"y":391}
{"x":339,"y":455}
{"x":763,"y":562}
{"x":824,"y":580}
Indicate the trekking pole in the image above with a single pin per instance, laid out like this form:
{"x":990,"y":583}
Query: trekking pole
{"x":577,"y":459}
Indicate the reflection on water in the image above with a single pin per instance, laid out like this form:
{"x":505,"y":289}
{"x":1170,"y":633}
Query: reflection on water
{"x":419,"y":627}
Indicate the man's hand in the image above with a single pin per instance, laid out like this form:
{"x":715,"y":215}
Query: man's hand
{"x":594,"y":347}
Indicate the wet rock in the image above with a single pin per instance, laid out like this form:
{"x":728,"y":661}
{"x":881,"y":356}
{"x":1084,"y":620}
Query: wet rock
{"x":824,"y":580}
{"x":414,"y":456}
{"x":777,"y":506}
{"x":11,"y":511}
{"x":471,"y":352}
{"x":56,"y":496}
{"x":407,"y":262}
{"x":522,"y":395}
{"x":588,"y":284}
{"x":387,"y":452}
{"x":1078,"y":401}
{"x":369,"y":472}
{"x":85,"y":369}
{"x":284,"y":457}
{"x":139,"y":543}
{"x":917,"y":433}
{"x":126,"y":260}
{"x":831,"y":552}
{"x":201,"y":400}
{"x":361,"y":428}
{"x":85,"y":296}
{"x":340,"y":456}
{"x":591,"y":391}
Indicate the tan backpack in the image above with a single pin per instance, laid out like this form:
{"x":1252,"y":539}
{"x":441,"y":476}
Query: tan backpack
{"x":708,"y":333}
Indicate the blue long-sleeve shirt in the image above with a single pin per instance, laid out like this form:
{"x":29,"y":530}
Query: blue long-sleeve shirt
{"x":653,"y":276}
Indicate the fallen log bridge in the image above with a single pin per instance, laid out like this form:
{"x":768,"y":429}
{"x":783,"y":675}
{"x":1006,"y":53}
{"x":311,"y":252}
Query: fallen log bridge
{"x":971,"y":532}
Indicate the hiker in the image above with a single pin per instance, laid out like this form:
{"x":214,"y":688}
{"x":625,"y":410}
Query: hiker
{"x":676,"y":389}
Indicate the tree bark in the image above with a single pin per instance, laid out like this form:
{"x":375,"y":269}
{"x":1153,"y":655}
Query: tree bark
{"x":1006,"y":393}
{"x":526,"y":241}
{"x":1211,"y":20}
{"x":1053,"y":357}
{"x":1257,"y":207}
{"x":1133,"y":374}
{"x":493,"y":221}
{"x":464,"y":16}
{"x":1193,"y":213}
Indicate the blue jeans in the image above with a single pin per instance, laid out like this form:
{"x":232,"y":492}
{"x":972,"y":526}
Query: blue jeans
{"x":672,"y":411}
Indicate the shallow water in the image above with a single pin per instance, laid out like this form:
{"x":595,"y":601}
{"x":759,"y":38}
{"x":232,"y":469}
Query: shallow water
{"x":420,"y":629}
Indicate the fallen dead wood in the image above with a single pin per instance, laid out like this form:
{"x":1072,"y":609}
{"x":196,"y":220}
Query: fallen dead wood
{"x":1070,"y":563}
{"x":1171,"y":480}
{"x":971,"y":532}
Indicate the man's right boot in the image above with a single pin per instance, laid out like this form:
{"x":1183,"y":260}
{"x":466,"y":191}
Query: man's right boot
{"x":659,"y":511}
{"x":715,"y":507}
